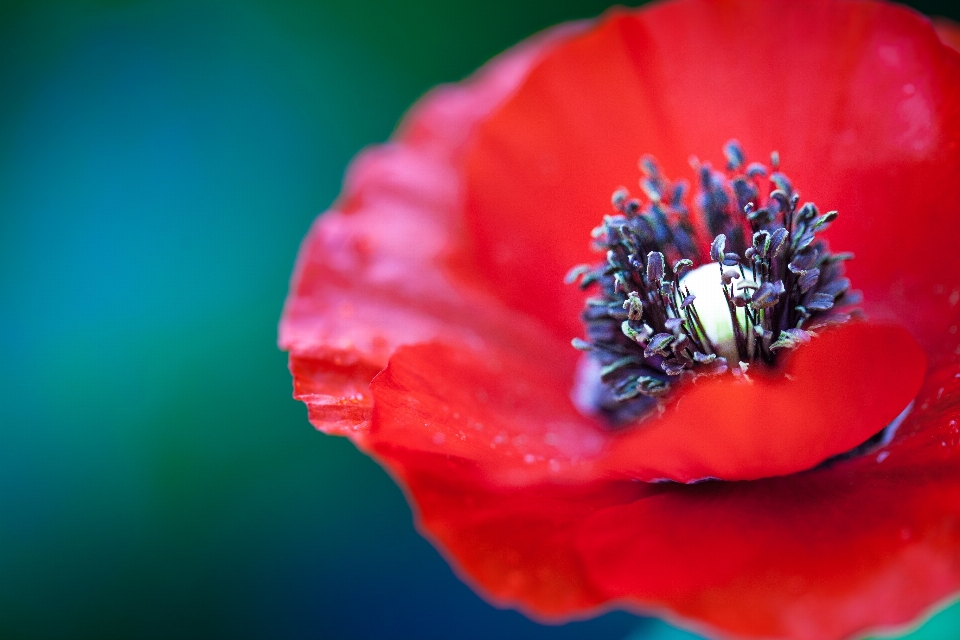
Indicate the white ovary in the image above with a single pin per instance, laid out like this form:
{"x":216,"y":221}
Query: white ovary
{"x":704,"y":282}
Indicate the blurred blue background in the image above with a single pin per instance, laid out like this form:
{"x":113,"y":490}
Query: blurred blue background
{"x":160,"y":161}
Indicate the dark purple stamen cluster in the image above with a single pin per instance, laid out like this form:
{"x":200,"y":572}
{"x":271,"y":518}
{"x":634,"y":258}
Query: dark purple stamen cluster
{"x":780,"y":281}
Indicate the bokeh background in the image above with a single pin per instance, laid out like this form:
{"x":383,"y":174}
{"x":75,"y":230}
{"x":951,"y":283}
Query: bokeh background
{"x":160,"y":161}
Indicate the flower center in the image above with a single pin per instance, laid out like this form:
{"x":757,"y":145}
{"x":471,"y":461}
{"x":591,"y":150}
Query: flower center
{"x":769,"y":283}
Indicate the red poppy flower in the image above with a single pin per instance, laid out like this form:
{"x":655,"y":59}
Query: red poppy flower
{"x":429,"y":323}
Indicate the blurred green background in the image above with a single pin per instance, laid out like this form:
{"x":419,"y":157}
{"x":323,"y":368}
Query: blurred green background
{"x":160,"y":161}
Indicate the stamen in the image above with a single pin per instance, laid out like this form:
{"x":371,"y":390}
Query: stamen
{"x":768,"y":285}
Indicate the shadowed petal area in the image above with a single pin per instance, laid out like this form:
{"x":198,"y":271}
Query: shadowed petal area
{"x":872,"y":134}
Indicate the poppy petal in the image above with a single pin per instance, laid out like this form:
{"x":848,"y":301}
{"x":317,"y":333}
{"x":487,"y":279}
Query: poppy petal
{"x":361,"y":287}
{"x":477,"y":526}
{"x":873,"y":134}
{"x":513,"y":417}
{"x":808,"y":557}
{"x":826,"y":554}
{"x":836,"y":392}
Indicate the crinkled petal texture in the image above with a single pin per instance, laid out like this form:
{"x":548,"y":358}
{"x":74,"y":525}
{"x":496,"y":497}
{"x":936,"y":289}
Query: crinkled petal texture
{"x":427,"y":321}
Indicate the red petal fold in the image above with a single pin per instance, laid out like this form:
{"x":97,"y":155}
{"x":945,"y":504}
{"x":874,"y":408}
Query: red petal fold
{"x":513,"y":418}
{"x":783,"y":423}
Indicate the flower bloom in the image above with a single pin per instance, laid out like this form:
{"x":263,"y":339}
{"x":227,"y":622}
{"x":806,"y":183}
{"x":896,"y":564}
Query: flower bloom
{"x":428,"y":322}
